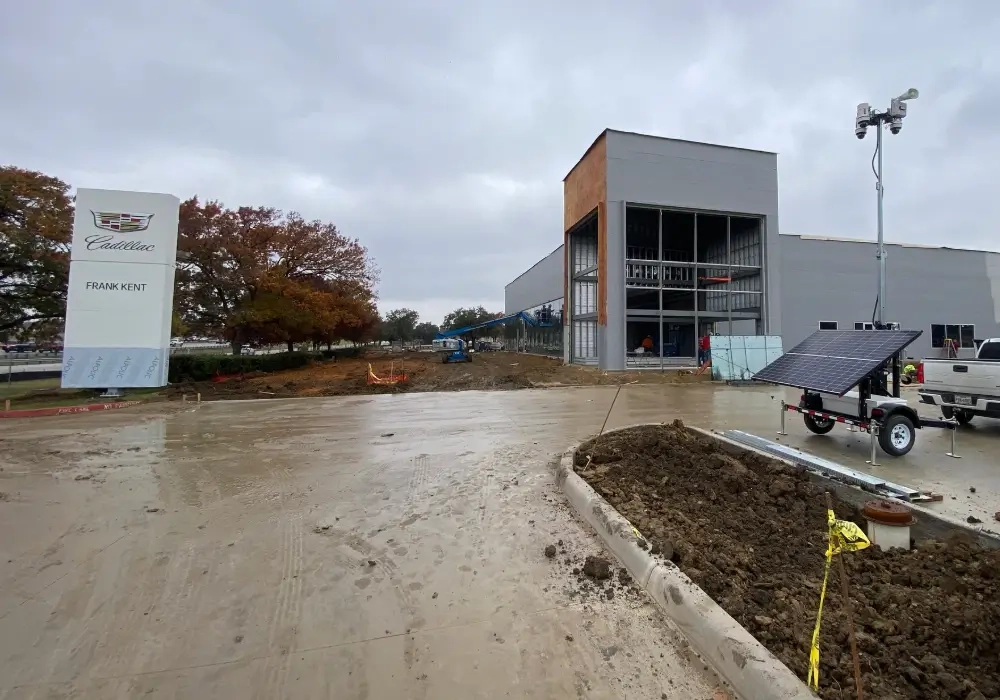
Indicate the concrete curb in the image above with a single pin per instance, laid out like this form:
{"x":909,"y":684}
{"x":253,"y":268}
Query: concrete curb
{"x":67,"y":410}
{"x":753,"y":672}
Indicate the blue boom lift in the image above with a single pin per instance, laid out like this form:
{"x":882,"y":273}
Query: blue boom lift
{"x":459,"y":354}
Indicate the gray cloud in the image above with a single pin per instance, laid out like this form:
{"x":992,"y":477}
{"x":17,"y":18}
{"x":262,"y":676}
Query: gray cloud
{"x":439,"y":132}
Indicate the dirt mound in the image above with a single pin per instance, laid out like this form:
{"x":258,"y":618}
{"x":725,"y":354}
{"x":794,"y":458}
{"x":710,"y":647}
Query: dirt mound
{"x":425,"y":372}
{"x":752,"y":534}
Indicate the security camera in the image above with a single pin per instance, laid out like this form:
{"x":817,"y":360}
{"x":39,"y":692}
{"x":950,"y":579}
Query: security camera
{"x":863,"y":120}
{"x":897,"y":110}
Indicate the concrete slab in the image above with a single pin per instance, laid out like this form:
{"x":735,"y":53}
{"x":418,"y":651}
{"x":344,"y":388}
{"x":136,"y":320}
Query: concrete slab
{"x":175,"y":548}
{"x":352,"y":548}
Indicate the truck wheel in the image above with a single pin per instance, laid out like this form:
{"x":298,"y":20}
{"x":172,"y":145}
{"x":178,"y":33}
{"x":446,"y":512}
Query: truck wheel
{"x":820,"y":426}
{"x":897,"y":435}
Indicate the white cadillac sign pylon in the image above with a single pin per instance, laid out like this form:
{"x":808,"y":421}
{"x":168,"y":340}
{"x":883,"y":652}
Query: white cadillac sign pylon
{"x":121,"y":290}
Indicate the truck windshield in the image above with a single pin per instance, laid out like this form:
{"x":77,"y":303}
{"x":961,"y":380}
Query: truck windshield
{"x":989,"y":351}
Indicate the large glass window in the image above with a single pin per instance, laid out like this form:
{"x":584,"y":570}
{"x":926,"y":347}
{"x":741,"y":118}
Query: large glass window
{"x":958,"y":335}
{"x":686,"y":272}
{"x":544,"y":334}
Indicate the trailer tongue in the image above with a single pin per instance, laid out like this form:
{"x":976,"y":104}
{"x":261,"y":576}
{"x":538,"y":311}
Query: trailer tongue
{"x":844,"y":377}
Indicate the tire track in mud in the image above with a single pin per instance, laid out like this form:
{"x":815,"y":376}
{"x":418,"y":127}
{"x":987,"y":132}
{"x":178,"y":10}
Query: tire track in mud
{"x":419,"y":477}
{"x":136,"y":583}
{"x":174,"y":609}
{"x":287,"y":613}
{"x":408,"y":605}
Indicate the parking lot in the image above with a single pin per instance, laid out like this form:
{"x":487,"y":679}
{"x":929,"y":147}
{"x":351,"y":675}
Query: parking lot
{"x":355,"y":547}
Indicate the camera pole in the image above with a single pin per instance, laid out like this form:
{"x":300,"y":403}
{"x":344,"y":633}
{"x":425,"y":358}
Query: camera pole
{"x":881,"y":241}
{"x":893,"y":118}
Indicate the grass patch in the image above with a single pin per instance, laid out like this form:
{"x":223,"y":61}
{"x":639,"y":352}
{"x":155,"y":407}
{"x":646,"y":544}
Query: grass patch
{"x":14,"y":390}
{"x":45,"y":393}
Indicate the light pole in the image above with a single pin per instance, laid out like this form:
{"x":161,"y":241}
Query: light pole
{"x":866,"y":116}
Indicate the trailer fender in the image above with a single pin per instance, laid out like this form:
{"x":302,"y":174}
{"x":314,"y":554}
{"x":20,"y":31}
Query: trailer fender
{"x":905,"y":411}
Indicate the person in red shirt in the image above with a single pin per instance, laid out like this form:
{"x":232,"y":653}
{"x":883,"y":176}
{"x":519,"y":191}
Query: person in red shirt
{"x":704,"y":349}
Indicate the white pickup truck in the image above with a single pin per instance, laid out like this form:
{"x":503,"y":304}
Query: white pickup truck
{"x":964,"y":388}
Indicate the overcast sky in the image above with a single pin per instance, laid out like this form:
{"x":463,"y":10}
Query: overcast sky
{"x":438,"y":132}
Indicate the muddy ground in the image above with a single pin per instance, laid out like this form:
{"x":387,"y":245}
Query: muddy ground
{"x":752,"y":534}
{"x":425,"y":372}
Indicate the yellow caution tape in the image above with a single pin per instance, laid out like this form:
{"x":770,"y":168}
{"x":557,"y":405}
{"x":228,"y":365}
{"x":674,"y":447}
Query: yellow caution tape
{"x":843,"y":536}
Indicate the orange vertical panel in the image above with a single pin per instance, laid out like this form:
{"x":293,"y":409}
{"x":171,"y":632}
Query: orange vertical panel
{"x":584,"y":191}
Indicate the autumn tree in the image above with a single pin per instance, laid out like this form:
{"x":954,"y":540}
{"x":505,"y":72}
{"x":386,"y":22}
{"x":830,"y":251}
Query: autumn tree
{"x":36,"y":223}
{"x":426,"y":332}
{"x":399,"y":324}
{"x":258,"y":275}
{"x":362,"y":326}
{"x":359,"y":321}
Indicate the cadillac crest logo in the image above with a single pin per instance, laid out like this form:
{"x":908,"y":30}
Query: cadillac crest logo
{"x":120,"y":221}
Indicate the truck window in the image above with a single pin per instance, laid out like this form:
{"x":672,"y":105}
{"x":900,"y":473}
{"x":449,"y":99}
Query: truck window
{"x":989,"y":351}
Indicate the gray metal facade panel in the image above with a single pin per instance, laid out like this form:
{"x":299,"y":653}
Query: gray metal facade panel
{"x":670,"y":173}
{"x":680,"y":174}
{"x":830,"y":280}
{"x":543,"y":282}
{"x":612,"y":348}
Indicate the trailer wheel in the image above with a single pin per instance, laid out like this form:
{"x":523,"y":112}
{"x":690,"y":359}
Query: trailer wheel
{"x":897,"y":435}
{"x":820,"y":426}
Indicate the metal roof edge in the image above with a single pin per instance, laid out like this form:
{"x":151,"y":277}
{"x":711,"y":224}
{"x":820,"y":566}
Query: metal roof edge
{"x":536,"y":264}
{"x":846,"y":239}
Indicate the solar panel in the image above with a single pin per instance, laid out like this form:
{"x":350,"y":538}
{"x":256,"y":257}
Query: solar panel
{"x":835,"y":361}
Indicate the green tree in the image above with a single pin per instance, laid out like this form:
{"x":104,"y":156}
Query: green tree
{"x":36,"y":224}
{"x":462,"y":317}
{"x":426,"y":332}
{"x":399,"y":324}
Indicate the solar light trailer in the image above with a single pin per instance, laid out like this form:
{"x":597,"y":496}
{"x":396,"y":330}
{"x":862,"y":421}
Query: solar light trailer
{"x":845,"y":378}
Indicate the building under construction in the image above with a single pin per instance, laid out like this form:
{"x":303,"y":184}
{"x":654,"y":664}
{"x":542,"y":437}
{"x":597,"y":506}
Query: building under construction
{"x":665,"y":240}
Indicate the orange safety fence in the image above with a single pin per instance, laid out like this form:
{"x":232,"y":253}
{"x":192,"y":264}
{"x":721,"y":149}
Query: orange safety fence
{"x":392,"y":378}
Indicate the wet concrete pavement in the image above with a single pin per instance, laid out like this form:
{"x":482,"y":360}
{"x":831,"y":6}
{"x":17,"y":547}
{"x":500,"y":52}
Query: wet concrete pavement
{"x":361,"y":547}
{"x":381,"y":547}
